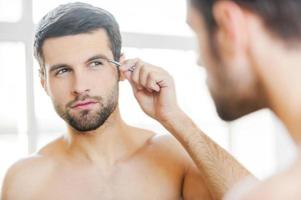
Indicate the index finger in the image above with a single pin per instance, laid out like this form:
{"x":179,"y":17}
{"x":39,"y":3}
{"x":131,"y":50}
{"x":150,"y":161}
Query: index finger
{"x":128,"y":65}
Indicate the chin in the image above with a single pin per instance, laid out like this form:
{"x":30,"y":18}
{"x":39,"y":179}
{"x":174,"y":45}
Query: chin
{"x":83,"y":128}
{"x":229,"y":116}
{"x":233,"y":112}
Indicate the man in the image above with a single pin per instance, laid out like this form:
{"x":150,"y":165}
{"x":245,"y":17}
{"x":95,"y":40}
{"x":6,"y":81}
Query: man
{"x":252,"y":53}
{"x":78,"y":47}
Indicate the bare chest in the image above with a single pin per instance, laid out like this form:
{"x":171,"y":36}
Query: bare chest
{"x":141,"y":183}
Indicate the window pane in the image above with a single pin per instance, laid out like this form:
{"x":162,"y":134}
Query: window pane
{"x":153,"y":17}
{"x":10,"y":11}
{"x":12,"y":81}
{"x":12,"y":87}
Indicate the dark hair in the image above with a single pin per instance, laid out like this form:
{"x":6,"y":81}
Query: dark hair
{"x":281,"y":17}
{"x":72,"y":19}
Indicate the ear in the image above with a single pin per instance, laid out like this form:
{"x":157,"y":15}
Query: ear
{"x":231,"y":33}
{"x":121,"y":60}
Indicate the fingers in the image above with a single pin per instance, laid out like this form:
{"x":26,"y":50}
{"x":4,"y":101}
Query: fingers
{"x":128,"y":64}
{"x":136,"y":75}
{"x":153,"y":81}
{"x":144,"y":76}
{"x":127,"y":67}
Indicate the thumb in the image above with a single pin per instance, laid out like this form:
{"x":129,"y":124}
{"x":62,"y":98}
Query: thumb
{"x":128,"y":76}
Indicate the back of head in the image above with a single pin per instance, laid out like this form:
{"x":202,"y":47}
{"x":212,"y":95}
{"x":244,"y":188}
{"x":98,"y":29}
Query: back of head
{"x":281,"y":17}
{"x":76,"y":18}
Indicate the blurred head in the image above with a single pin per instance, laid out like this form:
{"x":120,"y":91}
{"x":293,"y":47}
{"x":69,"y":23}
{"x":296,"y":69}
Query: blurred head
{"x":226,"y":32}
{"x":73,"y":44}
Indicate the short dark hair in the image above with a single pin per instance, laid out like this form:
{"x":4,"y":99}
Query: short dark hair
{"x":281,"y":17}
{"x":72,"y":19}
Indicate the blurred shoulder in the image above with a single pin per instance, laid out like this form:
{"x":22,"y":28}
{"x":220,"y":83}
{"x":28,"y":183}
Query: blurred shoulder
{"x":285,"y":185}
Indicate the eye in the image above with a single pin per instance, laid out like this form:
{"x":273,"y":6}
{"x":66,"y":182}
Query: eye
{"x":96,"y":64}
{"x":62,"y":71}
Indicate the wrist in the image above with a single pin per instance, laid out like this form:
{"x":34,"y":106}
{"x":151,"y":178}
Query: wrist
{"x":172,"y":118}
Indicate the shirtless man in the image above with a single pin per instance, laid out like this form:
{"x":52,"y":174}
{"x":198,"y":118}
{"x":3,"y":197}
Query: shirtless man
{"x":101,"y":157}
{"x":252,"y":53}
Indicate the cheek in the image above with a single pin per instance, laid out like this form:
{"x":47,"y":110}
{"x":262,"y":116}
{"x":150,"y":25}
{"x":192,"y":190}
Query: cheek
{"x":205,"y":55}
{"x":59,"y":91}
{"x":247,"y":79}
{"x":103,"y":81}
{"x":206,"y":58}
{"x":216,"y":74}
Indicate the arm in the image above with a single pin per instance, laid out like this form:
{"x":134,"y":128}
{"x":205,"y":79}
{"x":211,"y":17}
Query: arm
{"x":155,"y":92}
{"x":219,"y":169}
{"x":194,"y":186}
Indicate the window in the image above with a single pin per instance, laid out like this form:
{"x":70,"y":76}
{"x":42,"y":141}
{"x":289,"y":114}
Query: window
{"x":151,"y":17}
{"x":12,"y":79}
{"x":10,"y":11}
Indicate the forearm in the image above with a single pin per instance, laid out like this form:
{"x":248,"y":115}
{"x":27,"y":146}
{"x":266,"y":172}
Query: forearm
{"x":219,"y":169}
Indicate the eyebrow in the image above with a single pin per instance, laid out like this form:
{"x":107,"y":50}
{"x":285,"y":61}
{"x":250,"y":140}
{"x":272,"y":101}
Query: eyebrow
{"x":58,"y":66}
{"x":98,"y":56}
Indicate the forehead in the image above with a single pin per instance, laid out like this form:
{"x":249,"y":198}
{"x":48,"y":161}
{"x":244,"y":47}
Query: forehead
{"x":76,"y":47}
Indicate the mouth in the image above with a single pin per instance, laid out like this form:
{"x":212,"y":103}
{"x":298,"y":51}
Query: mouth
{"x":84,"y":104}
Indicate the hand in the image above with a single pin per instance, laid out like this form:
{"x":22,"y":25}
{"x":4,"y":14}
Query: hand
{"x":153,"y":88}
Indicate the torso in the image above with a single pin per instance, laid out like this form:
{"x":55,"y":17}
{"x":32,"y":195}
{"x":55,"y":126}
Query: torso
{"x":152,"y":173}
{"x":130,"y":181}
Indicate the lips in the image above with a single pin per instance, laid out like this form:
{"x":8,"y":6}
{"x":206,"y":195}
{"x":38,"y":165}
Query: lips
{"x":84,"y":104}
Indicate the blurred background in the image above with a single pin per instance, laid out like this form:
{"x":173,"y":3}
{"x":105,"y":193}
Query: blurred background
{"x":152,"y":30}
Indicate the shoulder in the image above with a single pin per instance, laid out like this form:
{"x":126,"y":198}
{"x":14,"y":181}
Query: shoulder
{"x":26,"y":174}
{"x":193,"y":185}
{"x":162,"y":149}
{"x":170,"y":151}
{"x":23,"y":176}
{"x":285,"y":185}
{"x":168,"y":146}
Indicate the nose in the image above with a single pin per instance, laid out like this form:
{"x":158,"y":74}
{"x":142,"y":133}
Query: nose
{"x":80,"y":84}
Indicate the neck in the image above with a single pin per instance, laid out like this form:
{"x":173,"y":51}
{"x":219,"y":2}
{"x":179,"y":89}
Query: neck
{"x":280,"y":70}
{"x":104,"y":146}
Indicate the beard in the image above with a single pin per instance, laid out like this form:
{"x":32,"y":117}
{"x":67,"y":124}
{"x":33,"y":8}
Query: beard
{"x":88,"y":120}
{"x":235,"y":97}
